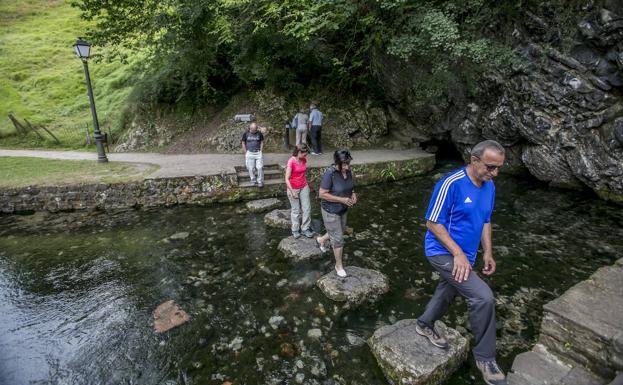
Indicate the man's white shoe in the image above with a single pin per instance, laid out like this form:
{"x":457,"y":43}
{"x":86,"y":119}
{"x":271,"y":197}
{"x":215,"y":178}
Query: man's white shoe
{"x":340,"y":272}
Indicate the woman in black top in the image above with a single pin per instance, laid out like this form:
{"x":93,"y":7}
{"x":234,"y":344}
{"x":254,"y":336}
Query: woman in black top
{"x":336,"y":196}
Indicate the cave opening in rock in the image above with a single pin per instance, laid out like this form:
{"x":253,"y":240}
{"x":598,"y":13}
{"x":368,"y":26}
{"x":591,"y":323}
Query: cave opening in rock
{"x":444,"y":150}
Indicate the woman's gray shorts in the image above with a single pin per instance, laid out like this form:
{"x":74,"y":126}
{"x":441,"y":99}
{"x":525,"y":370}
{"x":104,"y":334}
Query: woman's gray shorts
{"x":335,"y":225}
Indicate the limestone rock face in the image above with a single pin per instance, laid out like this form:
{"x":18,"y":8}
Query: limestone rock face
{"x":263,"y":205}
{"x":408,"y":358}
{"x":560,"y":116}
{"x":358,"y":286}
{"x":279,"y":219}
{"x":300,"y":249}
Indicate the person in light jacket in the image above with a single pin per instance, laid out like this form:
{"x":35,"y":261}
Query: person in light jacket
{"x":300,"y":123}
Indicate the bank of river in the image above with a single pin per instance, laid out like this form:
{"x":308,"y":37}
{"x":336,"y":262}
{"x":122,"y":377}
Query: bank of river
{"x":77,"y":289}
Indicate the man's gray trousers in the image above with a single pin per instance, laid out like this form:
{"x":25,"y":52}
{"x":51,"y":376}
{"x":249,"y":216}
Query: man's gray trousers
{"x":480,"y":302}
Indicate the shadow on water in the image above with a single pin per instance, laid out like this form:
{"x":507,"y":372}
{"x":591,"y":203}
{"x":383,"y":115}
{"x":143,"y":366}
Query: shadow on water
{"x":77,"y":290}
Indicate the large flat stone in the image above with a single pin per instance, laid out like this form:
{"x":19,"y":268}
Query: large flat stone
{"x":263,"y":205}
{"x":541,"y":367}
{"x":300,"y":249}
{"x":408,"y":358}
{"x":360,"y":285}
{"x":279,"y":218}
{"x":585,"y":324}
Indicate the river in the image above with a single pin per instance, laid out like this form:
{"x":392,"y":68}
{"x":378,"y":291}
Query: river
{"x":77,"y":290}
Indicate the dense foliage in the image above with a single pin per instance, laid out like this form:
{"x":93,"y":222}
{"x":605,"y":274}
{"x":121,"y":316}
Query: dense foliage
{"x":201,"y":50}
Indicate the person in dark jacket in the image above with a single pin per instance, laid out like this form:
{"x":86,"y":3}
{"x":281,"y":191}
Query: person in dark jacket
{"x":337,"y":195}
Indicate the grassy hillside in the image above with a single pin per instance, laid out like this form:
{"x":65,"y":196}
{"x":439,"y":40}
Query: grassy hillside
{"x":42,"y":80}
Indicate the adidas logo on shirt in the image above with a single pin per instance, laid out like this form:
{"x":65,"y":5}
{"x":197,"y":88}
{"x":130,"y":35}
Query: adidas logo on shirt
{"x":467,"y":200}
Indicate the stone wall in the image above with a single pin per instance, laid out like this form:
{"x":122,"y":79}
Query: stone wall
{"x":198,"y":190}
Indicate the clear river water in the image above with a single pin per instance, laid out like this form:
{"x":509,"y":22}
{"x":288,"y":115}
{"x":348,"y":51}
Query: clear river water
{"x":77,"y":290}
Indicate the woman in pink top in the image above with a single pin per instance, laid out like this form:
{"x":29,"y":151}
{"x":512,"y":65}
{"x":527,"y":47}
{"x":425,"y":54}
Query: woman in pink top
{"x":298,"y":192}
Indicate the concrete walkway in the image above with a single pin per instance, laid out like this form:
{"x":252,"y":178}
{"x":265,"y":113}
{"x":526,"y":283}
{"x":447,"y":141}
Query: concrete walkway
{"x":215,"y":164}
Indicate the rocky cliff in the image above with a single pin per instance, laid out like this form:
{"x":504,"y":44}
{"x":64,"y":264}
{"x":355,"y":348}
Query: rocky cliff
{"x":560,"y":116}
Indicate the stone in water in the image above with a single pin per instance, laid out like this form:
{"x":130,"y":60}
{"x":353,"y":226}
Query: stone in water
{"x":167,"y":316}
{"x":180,"y":235}
{"x":263,"y":205}
{"x":408,"y":358}
{"x":279,"y":219}
{"x":358,"y":286}
{"x":300,"y":249}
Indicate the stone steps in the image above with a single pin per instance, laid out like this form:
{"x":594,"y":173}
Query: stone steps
{"x":269,"y":182}
{"x":540,"y":367}
{"x":584,"y":326}
{"x":273,"y":175}
{"x":581,"y":340}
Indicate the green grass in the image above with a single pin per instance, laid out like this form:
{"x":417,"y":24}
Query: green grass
{"x":23,"y":171}
{"x":43,"y":81}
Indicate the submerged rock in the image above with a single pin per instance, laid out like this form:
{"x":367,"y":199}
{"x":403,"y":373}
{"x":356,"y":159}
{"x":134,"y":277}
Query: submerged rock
{"x":180,"y":235}
{"x":300,"y":249}
{"x":279,"y":219}
{"x":408,"y":358}
{"x":263,"y":205}
{"x":314,"y":333}
{"x":360,"y":285}
{"x":167,"y":316}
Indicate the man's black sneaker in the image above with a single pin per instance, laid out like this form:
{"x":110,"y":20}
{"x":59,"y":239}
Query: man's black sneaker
{"x":433,"y":336}
{"x":491,"y":372}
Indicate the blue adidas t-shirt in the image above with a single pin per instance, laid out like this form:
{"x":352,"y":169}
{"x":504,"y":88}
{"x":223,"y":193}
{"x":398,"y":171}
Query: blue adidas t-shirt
{"x":463,"y":208}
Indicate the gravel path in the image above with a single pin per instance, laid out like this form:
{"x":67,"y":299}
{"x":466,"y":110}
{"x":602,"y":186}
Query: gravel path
{"x":211,"y":164}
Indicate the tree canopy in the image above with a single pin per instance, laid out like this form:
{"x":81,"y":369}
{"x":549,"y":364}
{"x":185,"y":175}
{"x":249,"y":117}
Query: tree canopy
{"x":203,"y":50}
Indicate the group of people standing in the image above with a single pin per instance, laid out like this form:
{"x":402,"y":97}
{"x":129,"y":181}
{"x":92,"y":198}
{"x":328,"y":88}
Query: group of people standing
{"x":312,"y":124}
{"x":458,"y":220}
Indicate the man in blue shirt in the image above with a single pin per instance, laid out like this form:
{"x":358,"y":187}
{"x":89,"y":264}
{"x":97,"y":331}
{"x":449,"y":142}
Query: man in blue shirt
{"x":458,"y":220}
{"x":315,"y":129}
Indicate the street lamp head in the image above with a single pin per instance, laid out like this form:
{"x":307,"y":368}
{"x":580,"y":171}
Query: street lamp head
{"x":82,"y":48}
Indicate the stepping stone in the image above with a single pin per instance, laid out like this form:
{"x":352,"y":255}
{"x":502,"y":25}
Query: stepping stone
{"x":358,"y":286}
{"x":300,"y":249}
{"x":585,"y":325}
{"x":263,"y":205}
{"x":408,"y":358}
{"x":279,"y":219}
{"x":541,"y":367}
{"x":167,"y":316}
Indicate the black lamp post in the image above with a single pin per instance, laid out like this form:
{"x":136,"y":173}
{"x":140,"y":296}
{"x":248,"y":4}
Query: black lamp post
{"x":83,"y":50}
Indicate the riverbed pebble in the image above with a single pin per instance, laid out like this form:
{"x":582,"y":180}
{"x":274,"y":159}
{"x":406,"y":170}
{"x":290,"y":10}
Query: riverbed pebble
{"x":179,"y":236}
{"x":275,"y":321}
{"x":314,"y":333}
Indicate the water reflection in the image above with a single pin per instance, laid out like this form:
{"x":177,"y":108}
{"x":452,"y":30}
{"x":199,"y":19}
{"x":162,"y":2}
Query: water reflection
{"x":77,"y":290}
